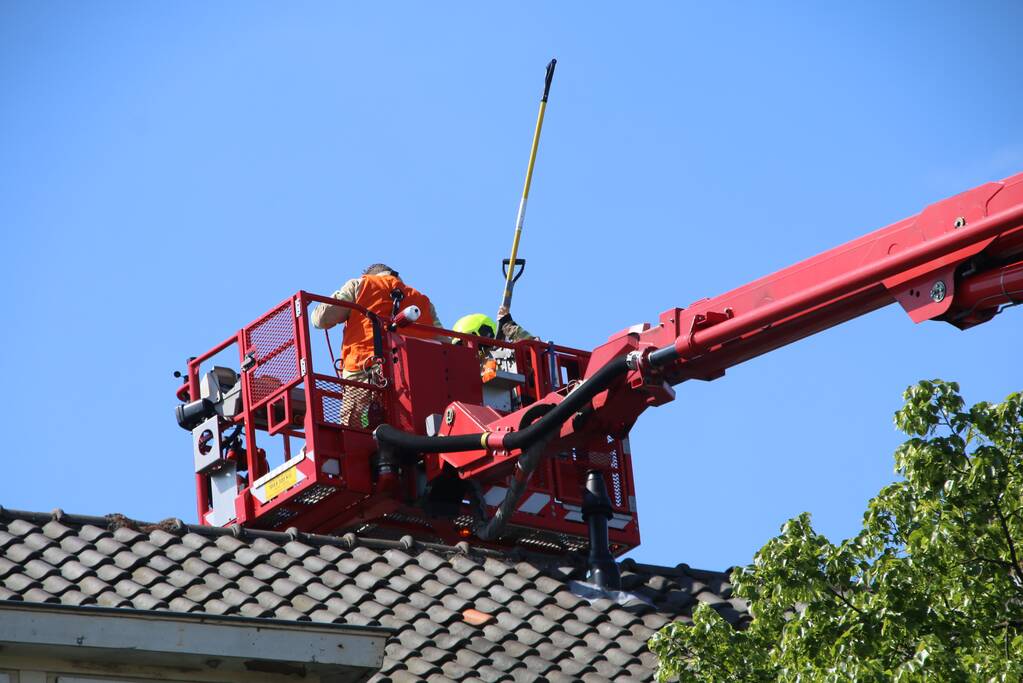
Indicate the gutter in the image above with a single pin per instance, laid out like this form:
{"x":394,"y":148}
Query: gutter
{"x":332,"y":652}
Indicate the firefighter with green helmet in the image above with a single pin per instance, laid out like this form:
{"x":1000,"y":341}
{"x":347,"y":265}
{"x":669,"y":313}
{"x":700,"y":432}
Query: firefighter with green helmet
{"x":482,"y":325}
{"x":479,"y":324}
{"x":505,"y":329}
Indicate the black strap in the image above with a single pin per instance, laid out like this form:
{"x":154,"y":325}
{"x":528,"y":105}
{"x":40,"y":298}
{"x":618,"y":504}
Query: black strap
{"x":378,"y":336}
{"x":397,"y":296}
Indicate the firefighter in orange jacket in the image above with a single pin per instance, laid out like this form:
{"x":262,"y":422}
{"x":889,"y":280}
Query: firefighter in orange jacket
{"x":374,"y":291}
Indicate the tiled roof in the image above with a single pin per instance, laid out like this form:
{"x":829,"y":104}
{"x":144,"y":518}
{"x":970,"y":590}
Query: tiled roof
{"x":458,"y":613}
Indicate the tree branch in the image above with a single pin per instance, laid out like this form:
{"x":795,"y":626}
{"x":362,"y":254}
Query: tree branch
{"x":848,"y":604}
{"x":1013,"y":623}
{"x":969,"y":562}
{"x":1017,"y":568}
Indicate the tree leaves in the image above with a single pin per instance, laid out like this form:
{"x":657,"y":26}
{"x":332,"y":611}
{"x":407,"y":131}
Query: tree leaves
{"x":930,"y":589}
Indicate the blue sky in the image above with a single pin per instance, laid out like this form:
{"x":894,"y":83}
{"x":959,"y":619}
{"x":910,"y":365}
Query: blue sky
{"x":168,"y":172}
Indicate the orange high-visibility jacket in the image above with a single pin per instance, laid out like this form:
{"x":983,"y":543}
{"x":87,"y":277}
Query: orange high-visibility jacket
{"x":375,"y":295}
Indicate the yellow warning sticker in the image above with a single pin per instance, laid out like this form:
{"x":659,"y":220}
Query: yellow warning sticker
{"x":281,"y":483}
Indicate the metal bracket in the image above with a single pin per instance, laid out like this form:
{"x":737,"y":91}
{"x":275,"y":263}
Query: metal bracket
{"x":223,"y":490}
{"x":704,"y":320}
{"x":206,"y":445}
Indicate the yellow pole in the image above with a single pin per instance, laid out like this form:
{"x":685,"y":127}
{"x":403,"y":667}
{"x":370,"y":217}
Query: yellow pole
{"x":510,"y":276}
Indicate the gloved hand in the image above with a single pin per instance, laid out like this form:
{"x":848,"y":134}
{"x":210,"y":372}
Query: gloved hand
{"x":503,"y":317}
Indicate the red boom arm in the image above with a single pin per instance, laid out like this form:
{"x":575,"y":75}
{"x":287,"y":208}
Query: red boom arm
{"x":967,"y":242}
{"x":959,"y":260}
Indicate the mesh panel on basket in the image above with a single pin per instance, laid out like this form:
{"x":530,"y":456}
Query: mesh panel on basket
{"x":361,"y":408}
{"x":355,"y":402}
{"x":330,"y":404}
{"x":600,"y":460}
{"x":331,"y":409}
{"x":350,"y":406}
{"x":271,"y":341}
{"x":274,"y":331}
{"x":277,"y":371}
{"x":328,"y":385}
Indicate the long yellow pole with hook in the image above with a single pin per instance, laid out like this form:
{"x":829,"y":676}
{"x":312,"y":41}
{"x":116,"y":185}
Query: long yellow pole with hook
{"x":510,"y":275}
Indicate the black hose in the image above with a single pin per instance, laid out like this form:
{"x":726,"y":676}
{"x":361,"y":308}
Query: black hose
{"x":664,"y":356}
{"x":386,"y":435}
{"x":564,"y":411}
{"x":494,"y":527}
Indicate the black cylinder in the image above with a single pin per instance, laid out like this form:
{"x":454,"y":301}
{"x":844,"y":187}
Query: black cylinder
{"x":603,"y":570}
{"x":189,"y":415}
{"x":663,"y":356}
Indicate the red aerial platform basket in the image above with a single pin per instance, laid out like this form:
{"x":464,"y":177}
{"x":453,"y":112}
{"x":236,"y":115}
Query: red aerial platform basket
{"x":275,"y":447}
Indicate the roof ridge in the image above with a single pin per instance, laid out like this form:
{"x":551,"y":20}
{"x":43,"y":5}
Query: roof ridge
{"x":347,"y":541}
{"x":681,"y":569}
{"x":176,"y":525}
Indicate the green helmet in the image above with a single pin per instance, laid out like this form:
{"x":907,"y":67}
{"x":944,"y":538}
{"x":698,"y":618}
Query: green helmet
{"x":476,"y":323}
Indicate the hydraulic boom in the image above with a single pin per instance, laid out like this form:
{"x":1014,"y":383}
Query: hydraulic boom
{"x":960,"y":260}
{"x":438,"y":452}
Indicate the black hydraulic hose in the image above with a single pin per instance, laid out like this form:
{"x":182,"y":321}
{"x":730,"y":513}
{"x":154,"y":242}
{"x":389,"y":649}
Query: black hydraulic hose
{"x":493,"y":527}
{"x":564,"y":411}
{"x":664,"y":356}
{"x":386,"y":435}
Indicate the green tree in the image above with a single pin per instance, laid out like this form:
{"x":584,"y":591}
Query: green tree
{"x":930,"y":589}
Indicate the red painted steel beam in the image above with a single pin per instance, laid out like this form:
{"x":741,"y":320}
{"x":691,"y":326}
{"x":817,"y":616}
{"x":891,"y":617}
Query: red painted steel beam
{"x":712,"y":365}
{"x":977,"y":299}
{"x":824,"y":282}
{"x":847,"y":283}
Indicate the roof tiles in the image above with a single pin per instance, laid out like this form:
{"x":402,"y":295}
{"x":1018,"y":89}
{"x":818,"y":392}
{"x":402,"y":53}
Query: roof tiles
{"x":458,"y":614}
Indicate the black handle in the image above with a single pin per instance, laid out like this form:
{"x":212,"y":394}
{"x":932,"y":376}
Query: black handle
{"x":519,"y":262}
{"x":547,"y":81}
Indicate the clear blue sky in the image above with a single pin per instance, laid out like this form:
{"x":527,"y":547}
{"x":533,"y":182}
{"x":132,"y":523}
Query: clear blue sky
{"x":169,"y":171}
